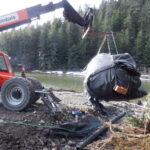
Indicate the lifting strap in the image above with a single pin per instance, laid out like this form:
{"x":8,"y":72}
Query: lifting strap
{"x":114,"y":42}
{"x":106,"y":39}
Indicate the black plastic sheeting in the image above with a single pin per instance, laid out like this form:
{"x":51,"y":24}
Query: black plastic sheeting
{"x":80,"y":129}
{"x":120,"y":70}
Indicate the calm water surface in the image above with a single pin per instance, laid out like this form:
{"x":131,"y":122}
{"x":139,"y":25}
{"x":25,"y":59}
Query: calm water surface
{"x":60,"y":82}
{"x":69,"y":83}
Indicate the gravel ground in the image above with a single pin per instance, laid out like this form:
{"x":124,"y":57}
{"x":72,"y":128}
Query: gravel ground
{"x":72,"y":98}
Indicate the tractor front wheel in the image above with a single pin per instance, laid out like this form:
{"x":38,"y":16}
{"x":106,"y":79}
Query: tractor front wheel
{"x":16,"y":94}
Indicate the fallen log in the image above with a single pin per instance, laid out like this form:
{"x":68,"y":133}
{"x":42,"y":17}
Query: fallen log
{"x":140,"y":107}
{"x":98,"y":132}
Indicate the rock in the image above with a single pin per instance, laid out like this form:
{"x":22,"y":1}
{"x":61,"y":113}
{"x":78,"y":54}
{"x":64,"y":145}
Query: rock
{"x":67,"y":147}
{"x":54,"y":149}
{"x":53,"y":144}
{"x":32,"y":141}
{"x":63,"y":140}
{"x":71,"y":143}
{"x":17,"y":142}
{"x":1,"y":120}
{"x":34,"y":112}
{"x":42,"y":122}
{"x":45,"y":148}
{"x":25,"y":120}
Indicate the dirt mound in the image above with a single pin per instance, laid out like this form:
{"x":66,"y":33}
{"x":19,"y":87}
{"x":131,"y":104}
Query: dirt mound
{"x":22,"y":137}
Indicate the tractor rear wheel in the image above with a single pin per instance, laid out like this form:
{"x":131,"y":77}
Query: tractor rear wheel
{"x":17,"y":93}
{"x":36,"y":86}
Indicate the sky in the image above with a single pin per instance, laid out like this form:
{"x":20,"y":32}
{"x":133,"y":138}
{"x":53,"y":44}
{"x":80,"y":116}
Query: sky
{"x":8,"y":6}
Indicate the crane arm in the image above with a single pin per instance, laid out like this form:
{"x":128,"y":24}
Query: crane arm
{"x":27,"y":15}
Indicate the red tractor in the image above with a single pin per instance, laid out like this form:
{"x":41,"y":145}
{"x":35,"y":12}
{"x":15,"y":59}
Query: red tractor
{"x":17,"y":93}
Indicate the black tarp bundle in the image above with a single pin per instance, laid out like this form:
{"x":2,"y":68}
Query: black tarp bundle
{"x":80,"y":129}
{"x":105,"y":71}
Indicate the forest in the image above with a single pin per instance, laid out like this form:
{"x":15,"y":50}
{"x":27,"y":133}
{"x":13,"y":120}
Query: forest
{"x":58,"y":45}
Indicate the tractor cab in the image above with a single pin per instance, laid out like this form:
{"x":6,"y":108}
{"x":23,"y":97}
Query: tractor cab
{"x":5,"y":68}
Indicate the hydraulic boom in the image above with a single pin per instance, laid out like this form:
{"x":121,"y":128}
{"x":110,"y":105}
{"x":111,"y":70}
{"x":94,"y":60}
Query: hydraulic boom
{"x":27,"y":15}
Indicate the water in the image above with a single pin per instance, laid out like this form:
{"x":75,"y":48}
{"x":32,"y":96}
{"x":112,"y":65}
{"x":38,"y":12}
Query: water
{"x":68,"y":83}
{"x":146,"y":85}
{"x":60,"y":82}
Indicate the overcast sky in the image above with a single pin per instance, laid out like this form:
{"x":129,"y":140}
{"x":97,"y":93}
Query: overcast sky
{"x":8,"y":6}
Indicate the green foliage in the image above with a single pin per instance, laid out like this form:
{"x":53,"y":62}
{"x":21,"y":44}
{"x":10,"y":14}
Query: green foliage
{"x":135,"y":122}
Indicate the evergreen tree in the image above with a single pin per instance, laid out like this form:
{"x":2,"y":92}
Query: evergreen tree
{"x":58,"y":44}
